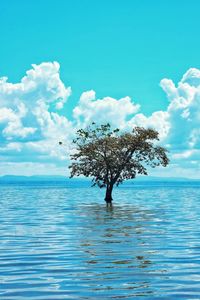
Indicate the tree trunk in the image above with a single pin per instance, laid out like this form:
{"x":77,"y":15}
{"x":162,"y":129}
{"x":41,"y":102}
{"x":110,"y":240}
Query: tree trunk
{"x":108,"y":197}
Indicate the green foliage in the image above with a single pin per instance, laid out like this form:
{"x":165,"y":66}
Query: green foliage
{"x":110,"y":156}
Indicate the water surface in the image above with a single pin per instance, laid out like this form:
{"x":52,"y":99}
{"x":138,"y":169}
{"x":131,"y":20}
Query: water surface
{"x":61,"y":242}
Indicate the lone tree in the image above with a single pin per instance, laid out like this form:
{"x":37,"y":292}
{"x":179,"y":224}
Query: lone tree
{"x":110,"y":156}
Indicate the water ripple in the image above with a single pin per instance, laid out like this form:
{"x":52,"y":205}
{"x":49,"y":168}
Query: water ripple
{"x":63,"y":243}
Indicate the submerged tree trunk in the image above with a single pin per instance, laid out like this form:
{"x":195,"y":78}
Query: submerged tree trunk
{"x":108,"y":197}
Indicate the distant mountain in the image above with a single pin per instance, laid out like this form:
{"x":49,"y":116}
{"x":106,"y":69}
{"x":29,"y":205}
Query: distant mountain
{"x":15,"y":178}
{"x":154,"y":178}
{"x":60,"y":178}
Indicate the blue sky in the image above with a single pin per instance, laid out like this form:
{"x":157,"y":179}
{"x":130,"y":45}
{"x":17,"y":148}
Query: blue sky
{"x":115,"y":48}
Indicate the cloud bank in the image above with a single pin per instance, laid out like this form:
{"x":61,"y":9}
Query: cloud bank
{"x":32,"y":121}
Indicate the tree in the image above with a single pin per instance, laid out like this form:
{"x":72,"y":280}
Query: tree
{"x":110,"y":156}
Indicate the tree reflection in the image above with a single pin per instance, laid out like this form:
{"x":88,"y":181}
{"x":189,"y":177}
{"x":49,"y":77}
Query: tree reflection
{"x":115,"y":246}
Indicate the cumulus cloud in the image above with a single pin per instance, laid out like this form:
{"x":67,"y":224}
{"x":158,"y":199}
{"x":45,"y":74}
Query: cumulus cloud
{"x":159,"y":121}
{"x":184,"y":111}
{"x":42,"y":82}
{"x":178,"y":125}
{"x":104,"y":110}
{"x":30,"y":125}
{"x":32,"y":120}
{"x":32,"y":168}
{"x":11,"y":123}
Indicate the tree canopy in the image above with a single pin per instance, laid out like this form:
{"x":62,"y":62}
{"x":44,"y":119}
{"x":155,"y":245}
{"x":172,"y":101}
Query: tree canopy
{"x":112,"y":156}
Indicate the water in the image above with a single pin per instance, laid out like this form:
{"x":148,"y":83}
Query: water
{"x":61,"y":242}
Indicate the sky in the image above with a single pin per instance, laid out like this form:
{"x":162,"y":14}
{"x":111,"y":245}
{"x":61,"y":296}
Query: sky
{"x":66,"y":63}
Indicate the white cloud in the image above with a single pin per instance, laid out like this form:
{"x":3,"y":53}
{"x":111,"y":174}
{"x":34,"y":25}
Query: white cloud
{"x":11,"y":147}
{"x":104,"y":110}
{"x":192,"y":77}
{"x":184,"y":111}
{"x":42,"y":82}
{"x":169,"y":88}
{"x":31,"y":123}
{"x":185,"y":154}
{"x":30,"y":126}
{"x":13,"y":124}
{"x":32,"y":168}
{"x":158,"y":121}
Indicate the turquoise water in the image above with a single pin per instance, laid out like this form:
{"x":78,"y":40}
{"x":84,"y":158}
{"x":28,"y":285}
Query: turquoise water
{"x":61,"y":242}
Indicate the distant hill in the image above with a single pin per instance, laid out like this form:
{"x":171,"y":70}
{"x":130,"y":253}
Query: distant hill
{"x":60,"y":178}
{"x":15,"y":178}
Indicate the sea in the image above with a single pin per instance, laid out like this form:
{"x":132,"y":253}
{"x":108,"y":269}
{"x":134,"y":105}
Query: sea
{"x":58,"y":240}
